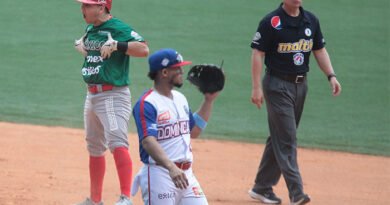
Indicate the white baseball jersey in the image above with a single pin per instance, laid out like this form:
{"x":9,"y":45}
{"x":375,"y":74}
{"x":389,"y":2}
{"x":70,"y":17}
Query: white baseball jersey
{"x":169,"y":120}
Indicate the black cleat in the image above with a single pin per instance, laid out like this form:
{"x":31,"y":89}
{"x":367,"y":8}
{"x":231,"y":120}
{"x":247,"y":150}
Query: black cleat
{"x":266,"y":198}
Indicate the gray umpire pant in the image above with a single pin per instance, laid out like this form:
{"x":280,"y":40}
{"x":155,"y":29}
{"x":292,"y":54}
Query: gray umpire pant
{"x":285,"y":102}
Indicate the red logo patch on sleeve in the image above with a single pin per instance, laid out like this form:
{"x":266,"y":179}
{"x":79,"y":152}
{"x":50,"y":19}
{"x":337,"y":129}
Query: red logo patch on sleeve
{"x":276,"y":23}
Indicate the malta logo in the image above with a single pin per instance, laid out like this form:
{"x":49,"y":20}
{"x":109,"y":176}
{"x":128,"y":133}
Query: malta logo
{"x":299,"y":58}
{"x":302,"y":45}
{"x":165,"y":116}
{"x":276,"y":23}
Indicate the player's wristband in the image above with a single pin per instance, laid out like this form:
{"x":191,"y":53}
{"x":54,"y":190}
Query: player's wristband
{"x":122,"y":46}
{"x":330,"y":76}
{"x":199,"y":121}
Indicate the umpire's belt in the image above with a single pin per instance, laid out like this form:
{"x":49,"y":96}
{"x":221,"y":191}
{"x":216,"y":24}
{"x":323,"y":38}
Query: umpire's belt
{"x":294,"y":78}
{"x":98,"y":88}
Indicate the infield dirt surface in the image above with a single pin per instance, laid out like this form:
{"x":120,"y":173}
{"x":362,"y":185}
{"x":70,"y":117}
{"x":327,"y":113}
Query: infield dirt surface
{"x":49,"y":165}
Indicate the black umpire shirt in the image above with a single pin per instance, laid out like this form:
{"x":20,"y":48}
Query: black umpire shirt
{"x":287,"y":41}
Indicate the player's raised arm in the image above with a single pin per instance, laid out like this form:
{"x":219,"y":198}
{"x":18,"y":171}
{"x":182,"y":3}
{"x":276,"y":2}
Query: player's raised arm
{"x":201,"y":117}
{"x":210,"y":81}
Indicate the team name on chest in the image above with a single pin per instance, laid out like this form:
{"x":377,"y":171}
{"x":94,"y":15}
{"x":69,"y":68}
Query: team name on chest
{"x":173,"y":130}
{"x":93,"y":45}
{"x":302,"y":45}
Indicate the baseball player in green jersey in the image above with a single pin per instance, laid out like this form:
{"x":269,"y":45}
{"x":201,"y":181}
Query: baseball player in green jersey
{"x":106,"y":46}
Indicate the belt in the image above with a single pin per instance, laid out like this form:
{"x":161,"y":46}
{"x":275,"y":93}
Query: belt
{"x":183,"y":165}
{"x":98,"y":88}
{"x":294,"y":78}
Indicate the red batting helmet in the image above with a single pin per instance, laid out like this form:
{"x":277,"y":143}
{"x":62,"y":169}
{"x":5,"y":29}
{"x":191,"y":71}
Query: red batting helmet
{"x":107,"y":3}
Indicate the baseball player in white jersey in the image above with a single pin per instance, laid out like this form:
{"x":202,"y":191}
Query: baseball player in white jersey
{"x":165,"y":127}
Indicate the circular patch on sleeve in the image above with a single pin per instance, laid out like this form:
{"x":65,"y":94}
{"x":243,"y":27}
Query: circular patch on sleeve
{"x":257,"y":36}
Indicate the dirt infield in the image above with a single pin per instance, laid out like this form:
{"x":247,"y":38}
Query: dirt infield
{"x":48,"y":165}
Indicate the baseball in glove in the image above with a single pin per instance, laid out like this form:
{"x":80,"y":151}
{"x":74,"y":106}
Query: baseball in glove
{"x":208,"y":78}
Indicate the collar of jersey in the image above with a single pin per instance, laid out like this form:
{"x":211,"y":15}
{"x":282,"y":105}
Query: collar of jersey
{"x":283,"y":15}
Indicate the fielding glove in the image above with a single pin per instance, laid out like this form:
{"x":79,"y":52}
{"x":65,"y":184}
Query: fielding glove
{"x":208,"y":78}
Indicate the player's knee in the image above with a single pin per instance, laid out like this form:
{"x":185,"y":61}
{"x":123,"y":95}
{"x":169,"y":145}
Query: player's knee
{"x":117,"y":138}
{"x":112,"y":145}
{"x":95,"y":150}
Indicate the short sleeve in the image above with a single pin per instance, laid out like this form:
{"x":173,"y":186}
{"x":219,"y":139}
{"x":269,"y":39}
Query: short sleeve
{"x":262,"y":38}
{"x":126,"y":33}
{"x":134,"y":36}
{"x":318,"y":38}
{"x":145,"y":116}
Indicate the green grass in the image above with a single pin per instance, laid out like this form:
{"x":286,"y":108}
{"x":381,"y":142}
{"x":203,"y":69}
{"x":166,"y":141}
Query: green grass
{"x":41,"y":83}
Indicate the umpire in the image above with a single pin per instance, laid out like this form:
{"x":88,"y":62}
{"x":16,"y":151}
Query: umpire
{"x":284,"y":41}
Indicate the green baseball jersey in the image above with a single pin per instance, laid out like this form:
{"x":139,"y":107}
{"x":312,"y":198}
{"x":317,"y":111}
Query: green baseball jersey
{"x":115,"y":69}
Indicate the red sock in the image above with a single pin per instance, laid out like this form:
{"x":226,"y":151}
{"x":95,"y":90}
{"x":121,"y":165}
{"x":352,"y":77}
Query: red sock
{"x":124,"y":167}
{"x":97,"y":168}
